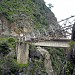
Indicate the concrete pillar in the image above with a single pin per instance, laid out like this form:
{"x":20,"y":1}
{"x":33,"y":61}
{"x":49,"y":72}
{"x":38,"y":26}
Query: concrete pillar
{"x":22,"y":53}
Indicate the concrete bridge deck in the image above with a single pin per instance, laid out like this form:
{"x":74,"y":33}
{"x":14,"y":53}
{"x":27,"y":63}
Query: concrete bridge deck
{"x":53,"y":43}
{"x":49,"y":42}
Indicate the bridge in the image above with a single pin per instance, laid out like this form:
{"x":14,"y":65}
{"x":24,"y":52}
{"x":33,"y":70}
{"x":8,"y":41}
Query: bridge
{"x":66,"y":27}
{"x":22,"y":47}
{"x":67,"y":24}
{"x":61,"y":43}
{"x":48,"y":42}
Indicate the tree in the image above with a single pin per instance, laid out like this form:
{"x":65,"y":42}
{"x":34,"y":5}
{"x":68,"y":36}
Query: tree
{"x":50,"y":6}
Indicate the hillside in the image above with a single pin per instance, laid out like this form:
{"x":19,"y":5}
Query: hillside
{"x":29,"y":16}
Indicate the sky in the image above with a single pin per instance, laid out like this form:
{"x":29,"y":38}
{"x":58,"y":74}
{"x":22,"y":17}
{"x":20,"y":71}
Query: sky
{"x":62,"y":8}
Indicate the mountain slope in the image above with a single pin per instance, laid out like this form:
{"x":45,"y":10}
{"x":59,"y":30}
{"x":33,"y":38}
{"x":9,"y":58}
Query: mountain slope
{"x":32,"y":15}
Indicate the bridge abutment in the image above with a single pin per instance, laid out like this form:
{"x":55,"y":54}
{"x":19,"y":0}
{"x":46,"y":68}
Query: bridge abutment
{"x":22,"y":52}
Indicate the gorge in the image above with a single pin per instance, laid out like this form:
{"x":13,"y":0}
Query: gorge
{"x":23,"y":22}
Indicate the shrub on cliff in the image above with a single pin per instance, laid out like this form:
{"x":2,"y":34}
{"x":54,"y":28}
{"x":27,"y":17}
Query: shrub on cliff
{"x":4,"y":48}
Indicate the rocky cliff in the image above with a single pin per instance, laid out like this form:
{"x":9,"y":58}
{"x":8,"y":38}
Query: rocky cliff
{"x":31,"y":17}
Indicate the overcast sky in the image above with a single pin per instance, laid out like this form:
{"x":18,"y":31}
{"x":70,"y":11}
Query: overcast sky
{"x":62,"y":8}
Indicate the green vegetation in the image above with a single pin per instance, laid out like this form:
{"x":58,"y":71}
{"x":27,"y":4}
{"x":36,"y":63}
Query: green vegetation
{"x":7,"y":61}
{"x":72,"y":43}
{"x":11,"y":63}
{"x":32,"y":47}
{"x":4,"y":48}
{"x":10,"y":42}
{"x":5,"y":45}
{"x":69,"y":68}
{"x":35,"y":9}
{"x":38,"y":66}
{"x":58,"y":59}
{"x":23,"y":65}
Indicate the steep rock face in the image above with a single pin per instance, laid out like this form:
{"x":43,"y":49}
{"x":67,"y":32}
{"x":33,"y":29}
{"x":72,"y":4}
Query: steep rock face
{"x":6,"y":27}
{"x":31,"y":17}
{"x":44,"y":56}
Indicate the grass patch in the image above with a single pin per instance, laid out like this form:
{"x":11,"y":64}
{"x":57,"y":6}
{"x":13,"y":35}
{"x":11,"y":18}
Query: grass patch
{"x":23,"y":65}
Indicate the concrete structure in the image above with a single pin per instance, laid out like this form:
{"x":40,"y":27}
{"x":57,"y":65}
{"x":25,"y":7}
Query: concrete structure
{"x":22,"y":53}
{"x":54,"y":43}
{"x":22,"y":48}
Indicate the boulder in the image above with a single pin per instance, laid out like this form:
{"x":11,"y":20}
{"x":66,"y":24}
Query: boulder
{"x":44,"y":56}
